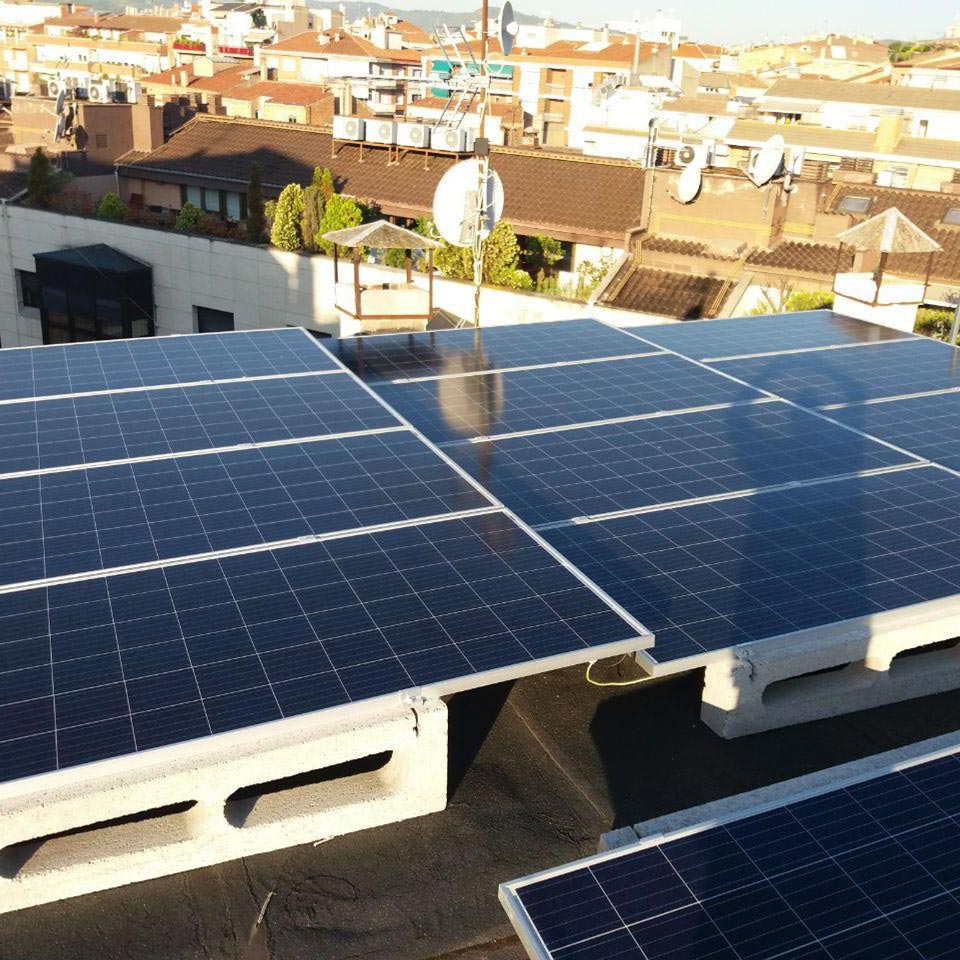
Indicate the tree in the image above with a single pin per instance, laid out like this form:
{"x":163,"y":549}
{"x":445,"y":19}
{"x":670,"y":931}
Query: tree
{"x":189,"y":217}
{"x":256,"y":221}
{"x":43,"y":179}
{"x":324,"y":182}
{"x":501,"y":260}
{"x":314,"y":205}
{"x":285,"y":232}
{"x":539,"y":255}
{"x":398,"y":258}
{"x":259,"y":19}
{"x":112,"y":208}
{"x":341,"y":212}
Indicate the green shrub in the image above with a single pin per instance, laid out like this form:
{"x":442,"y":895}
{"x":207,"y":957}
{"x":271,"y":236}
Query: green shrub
{"x":189,"y":217}
{"x":934,"y":322}
{"x":285,"y":231}
{"x":112,"y":208}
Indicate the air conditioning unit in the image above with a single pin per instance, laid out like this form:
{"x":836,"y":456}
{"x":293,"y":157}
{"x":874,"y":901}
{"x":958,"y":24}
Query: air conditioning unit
{"x":694,"y":155}
{"x":347,"y":128}
{"x":413,"y":134}
{"x":453,"y":139}
{"x":98,"y":93}
{"x":381,"y":131}
{"x":55,"y":87}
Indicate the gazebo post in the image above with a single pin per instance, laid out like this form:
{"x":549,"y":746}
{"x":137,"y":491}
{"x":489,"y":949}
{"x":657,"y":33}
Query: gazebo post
{"x":926,"y":278}
{"x":356,"y":280}
{"x":430,"y":281}
{"x":408,"y":263}
{"x":336,"y":266}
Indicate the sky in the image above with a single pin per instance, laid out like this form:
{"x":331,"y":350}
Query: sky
{"x":734,"y":21}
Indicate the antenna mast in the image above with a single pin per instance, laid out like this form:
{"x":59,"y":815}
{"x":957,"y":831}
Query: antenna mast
{"x":482,"y":152}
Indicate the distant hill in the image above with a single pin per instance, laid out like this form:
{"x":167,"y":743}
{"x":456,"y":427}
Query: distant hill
{"x":425,"y":19}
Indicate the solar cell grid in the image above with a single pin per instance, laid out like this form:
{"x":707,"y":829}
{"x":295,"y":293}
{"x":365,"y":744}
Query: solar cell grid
{"x":557,"y":476}
{"x":463,"y":407}
{"x":844,"y":874}
{"x":714,"y":575}
{"x":400,"y":356}
{"x":67,"y":432}
{"x":747,"y":335}
{"x":99,"y":668}
{"x":850,"y":376}
{"x":929,"y":426}
{"x":53,"y":525}
{"x":152,"y":361}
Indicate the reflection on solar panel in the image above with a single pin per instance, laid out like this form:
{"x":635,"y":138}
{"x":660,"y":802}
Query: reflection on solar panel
{"x":109,"y":666}
{"x":929,"y":426}
{"x":748,"y":335}
{"x":393,"y":356}
{"x":149,"y":361}
{"x":463,"y":407}
{"x":710,"y":576}
{"x":584,"y":472}
{"x":868,"y":871}
{"x":850,"y":376}
{"x":56,"y":524}
{"x":117,"y":426}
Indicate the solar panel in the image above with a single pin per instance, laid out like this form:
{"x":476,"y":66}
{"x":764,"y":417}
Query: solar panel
{"x":929,"y":426}
{"x":706,"y":577}
{"x":444,"y":352}
{"x":153,"y":361}
{"x":109,"y":666}
{"x":58,"y":524}
{"x":868,"y":871}
{"x":749,"y":335}
{"x":463,"y":407}
{"x":118,"y":426}
{"x":582,"y":472}
{"x":850,"y":376}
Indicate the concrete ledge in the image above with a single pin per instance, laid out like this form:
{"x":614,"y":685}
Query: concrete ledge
{"x":221,"y":803}
{"x":785,"y":791}
{"x":825,"y":672}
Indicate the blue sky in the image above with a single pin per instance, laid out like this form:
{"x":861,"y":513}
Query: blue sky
{"x":730,"y":21}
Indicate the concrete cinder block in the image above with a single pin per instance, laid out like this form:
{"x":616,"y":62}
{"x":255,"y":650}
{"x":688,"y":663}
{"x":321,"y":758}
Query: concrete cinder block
{"x":218,"y":800}
{"x":828,"y":671}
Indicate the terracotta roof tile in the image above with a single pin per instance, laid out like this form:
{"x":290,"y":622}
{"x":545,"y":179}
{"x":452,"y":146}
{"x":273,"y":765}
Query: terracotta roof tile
{"x":218,"y":83}
{"x":567,"y":194}
{"x":662,"y":292}
{"x":337,"y":43}
{"x":801,"y":257}
{"x":298,"y":94}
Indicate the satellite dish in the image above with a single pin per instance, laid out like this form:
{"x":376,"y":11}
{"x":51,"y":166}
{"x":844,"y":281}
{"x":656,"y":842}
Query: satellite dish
{"x":767,"y":161}
{"x":688,"y":186}
{"x":507,"y":28}
{"x":61,"y":99}
{"x":60,"y":129}
{"x":455,"y":203}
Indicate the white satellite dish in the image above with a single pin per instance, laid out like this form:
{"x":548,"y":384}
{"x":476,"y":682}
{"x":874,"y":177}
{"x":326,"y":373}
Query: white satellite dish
{"x":507,"y":28}
{"x":767,"y":161}
{"x":60,"y":129}
{"x":455,"y":203}
{"x":688,"y":186}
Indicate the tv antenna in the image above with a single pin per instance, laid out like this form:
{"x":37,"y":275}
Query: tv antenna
{"x":469,"y":199}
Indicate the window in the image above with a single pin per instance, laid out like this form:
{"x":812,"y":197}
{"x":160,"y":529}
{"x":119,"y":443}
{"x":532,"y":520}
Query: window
{"x":213,"y":321}
{"x":101,"y":141}
{"x":952,"y":217}
{"x":195,"y":196}
{"x":233,"y":206}
{"x":854,"y":205}
{"x":29,"y":288}
{"x":211,"y":201}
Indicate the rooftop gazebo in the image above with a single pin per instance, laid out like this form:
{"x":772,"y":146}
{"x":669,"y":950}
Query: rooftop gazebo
{"x":880,"y":296}
{"x":383,"y":306}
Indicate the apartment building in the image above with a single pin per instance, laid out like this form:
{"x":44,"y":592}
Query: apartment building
{"x":934,"y":70}
{"x":17,"y":17}
{"x":830,"y":57}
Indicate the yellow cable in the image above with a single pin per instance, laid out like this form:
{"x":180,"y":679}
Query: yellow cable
{"x":613,"y":683}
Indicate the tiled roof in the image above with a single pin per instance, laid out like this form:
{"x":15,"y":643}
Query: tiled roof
{"x":337,"y":43}
{"x":708,"y":104}
{"x":683,"y":248}
{"x":218,"y":83}
{"x":924,"y":208}
{"x":881,"y":95}
{"x":566,"y":194}
{"x":662,"y":292}
{"x":801,"y":257}
{"x":298,"y":94}
{"x":862,"y":51}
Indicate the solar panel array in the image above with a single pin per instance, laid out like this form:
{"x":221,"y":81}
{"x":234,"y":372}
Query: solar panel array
{"x":713,"y":487}
{"x":869,"y":871}
{"x":180,"y":557}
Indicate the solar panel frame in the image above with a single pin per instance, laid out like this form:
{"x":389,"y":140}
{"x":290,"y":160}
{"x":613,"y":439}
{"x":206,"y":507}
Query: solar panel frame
{"x":138,"y":363}
{"x":799,"y":831}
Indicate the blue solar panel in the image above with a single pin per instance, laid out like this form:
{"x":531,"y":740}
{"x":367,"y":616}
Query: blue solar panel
{"x":462,"y":407}
{"x":109,"y":666}
{"x":850,"y":376}
{"x":929,"y":426}
{"x":57,"y":524}
{"x":582,"y":472}
{"x":152,"y":361}
{"x":118,"y":426}
{"x":865,"y":872}
{"x":748,"y":335}
{"x":715,"y":575}
{"x":393,"y":356}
